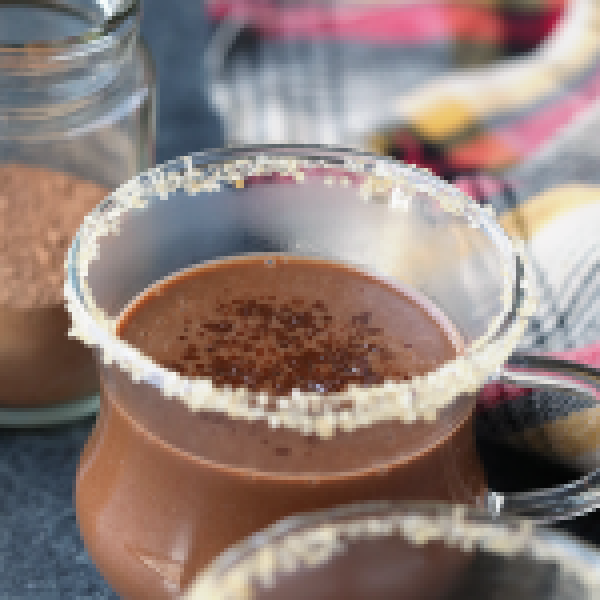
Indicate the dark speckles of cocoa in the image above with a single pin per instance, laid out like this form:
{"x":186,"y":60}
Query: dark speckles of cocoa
{"x":277,"y":347}
{"x":220,"y":327}
{"x":190,"y":353}
{"x":361,"y":319}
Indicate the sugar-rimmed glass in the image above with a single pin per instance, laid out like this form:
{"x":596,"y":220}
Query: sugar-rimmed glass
{"x":376,"y":214}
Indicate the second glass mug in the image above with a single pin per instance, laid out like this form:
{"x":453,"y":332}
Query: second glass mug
{"x":384,"y":551}
{"x":172,"y":473}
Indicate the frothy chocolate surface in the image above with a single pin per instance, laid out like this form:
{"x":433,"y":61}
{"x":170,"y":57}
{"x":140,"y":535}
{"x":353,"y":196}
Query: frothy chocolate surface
{"x":275,"y":325}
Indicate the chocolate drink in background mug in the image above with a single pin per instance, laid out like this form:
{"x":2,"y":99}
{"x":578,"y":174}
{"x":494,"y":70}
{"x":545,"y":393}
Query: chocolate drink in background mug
{"x":273,"y":325}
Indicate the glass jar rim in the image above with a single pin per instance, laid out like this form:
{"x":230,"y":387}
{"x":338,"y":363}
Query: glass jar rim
{"x":254,"y":560}
{"x":98,"y":31}
{"x":421,"y":397}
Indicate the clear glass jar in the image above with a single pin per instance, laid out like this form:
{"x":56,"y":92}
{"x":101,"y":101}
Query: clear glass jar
{"x":77,"y":118}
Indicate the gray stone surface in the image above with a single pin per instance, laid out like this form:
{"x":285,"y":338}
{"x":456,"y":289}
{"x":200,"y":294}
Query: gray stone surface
{"x":41,"y":553}
{"x":177,"y":33}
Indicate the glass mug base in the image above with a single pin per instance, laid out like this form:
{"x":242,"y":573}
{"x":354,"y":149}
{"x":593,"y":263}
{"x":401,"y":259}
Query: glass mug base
{"x":151,"y":515}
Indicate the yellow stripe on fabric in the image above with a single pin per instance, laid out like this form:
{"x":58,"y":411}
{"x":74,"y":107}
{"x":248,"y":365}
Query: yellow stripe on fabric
{"x":531,"y":216}
{"x":575,"y":434}
{"x":442,"y":119}
{"x":566,"y":438}
{"x":511,"y":85}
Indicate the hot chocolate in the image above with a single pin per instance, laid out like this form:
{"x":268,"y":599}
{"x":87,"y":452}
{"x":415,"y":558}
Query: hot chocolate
{"x":276,"y":324}
{"x":273,"y":325}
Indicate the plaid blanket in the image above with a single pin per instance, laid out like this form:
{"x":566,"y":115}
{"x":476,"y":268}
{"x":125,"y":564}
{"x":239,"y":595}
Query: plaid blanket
{"x":521,"y":135}
{"x":333,"y":72}
{"x":478,"y":31}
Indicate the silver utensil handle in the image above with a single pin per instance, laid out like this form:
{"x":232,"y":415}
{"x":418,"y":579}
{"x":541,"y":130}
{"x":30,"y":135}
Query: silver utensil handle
{"x":560,"y":502}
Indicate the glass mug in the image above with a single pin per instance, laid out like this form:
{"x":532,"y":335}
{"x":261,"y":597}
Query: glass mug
{"x":177,"y":469}
{"x":383,"y":551}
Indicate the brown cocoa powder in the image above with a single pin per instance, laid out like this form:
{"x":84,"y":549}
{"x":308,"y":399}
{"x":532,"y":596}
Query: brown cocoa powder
{"x":40,"y":212}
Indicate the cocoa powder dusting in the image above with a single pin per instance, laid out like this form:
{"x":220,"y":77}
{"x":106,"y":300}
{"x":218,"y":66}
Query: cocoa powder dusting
{"x":288,"y":325}
{"x":40,"y":212}
{"x":277,"y":348}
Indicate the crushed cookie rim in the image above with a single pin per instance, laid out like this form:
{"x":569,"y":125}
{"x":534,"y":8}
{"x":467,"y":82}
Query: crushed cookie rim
{"x":310,"y":413}
{"x":311,"y":540}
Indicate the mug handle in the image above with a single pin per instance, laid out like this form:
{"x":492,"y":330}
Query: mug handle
{"x":219,"y":46}
{"x":560,"y":502}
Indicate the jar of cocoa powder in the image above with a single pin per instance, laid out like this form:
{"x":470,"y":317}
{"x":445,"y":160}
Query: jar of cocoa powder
{"x":77,"y":117}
